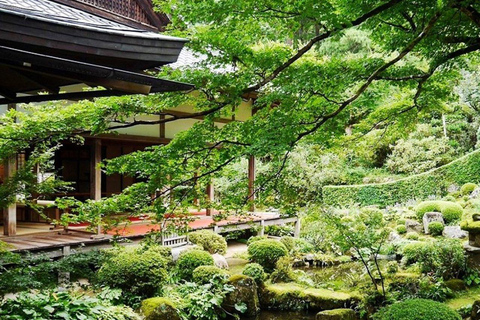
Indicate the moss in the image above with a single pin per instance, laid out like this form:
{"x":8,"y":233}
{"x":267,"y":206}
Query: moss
{"x":456,"y":285}
{"x":464,"y":298}
{"x":451,"y":211}
{"x":295,"y":297}
{"x":337,"y":314}
{"x":471,"y":226}
{"x":159,"y":308}
{"x":417,"y":309}
{"x":245,"y":292}
{"x":468,"y":188}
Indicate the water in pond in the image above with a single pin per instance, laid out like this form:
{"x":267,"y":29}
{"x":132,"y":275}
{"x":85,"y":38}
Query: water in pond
{"x":283,"y":315}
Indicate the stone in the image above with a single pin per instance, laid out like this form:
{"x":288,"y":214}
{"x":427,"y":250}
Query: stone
{"x":220,"y":261}
{"x":475,"y":315}
{"x":159,"y":308}
{"x":476,"y":217}
{"x":475,"y":194}
{"x":455,"y":285}
{"x":394,"y":237}
{"x":453,"y":188}
{"x":430,"y":217}
{"x":413,"y":226}
{"x":336,"y":314}
{"x":245,"y":292}
{"x":454,"y":232}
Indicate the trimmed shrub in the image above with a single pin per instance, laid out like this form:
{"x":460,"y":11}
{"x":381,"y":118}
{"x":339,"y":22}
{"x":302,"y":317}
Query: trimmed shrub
{"x":255,"y":238}
{"x":421,"y":186}
{"x":412,"y":236}
{"x":435,"y":228}
{"x":266,"y":252}
{"x":209,"y":241}
{"x":204,"y":274}
{"x":401,"y":229}
{"x":417,"y":309}
{"x":255,"y":271}
{"x":136,"y":271}
{"x":451,"y":211}
{"x":467,"y":188}
{"x":189,"y":260}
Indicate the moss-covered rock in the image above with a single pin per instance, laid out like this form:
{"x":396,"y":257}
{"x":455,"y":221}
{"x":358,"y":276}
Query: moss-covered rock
{"x":336,"y":314}
{"x":245,"y":293}
{"x":455,"y":285}
{"x":159,"y":308}
{"x":288,"y":296}
{"x":471,"y":226}
{"x":475,"y":314}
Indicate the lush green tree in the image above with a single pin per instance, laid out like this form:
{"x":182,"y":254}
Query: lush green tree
{"x":317,"y":70}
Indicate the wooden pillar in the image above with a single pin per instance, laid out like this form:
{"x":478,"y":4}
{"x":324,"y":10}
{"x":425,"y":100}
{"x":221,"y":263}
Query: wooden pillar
{"x":95,"y":171}
{"x":210,"y":198}
{"x":251,"y":183}
{"x":296,"y":233}
{"x":10,"y":213}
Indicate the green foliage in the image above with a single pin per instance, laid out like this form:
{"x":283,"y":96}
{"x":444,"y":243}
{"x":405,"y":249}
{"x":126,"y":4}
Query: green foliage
{"x":63,"y":305}
{"x":421,"y":186}
{"x":266,"y":252}
{"x":435,"y":228}
{"x":392,"y":267}
{"x":412,"y":286}
{"x":159,"y":308}
{"x":451,"y":211}
{"x":254,"y":271}
{"x":417,"y":309}
{"x":255,"y":238}
{"x":297,"y":245}
{"x":401,"y":229}
{"x":444,"y":258}
{"x":279,"y":231}
{"x":204,"y":274}
{"x":209,"y":241}
{"x":412,"y":236}
{"x":138,"y":272}
{"x":468,"y":188}
{"x":283,"y":271}
{"x":189,"y":260}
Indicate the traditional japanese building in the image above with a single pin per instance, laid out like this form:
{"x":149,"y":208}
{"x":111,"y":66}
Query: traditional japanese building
{"x":62,"y":46}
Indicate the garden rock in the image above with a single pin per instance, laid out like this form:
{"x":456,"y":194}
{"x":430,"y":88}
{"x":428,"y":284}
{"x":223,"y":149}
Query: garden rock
{"x":413,"y":226}
{"x":220,"y":261}
{"x":455,"y":285}
{"x":475,"y":315}
{"x":454,"y":232}
{"x":336,"y":314}
{"x":475,"y":194}
{"x":394,"y":237}
{"x":453,"y":188}
{"x":245,"y":293}
{"x":430,"y":217}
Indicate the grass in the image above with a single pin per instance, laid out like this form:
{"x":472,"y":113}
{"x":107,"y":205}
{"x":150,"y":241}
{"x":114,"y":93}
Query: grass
{"x":464,"y":298}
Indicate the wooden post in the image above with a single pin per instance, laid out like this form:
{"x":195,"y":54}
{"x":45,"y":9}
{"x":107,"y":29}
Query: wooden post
{"x":251,"y":183}
{"x":10,"y":213}
{"x":210,"y":198}
{"x":296,"y":233}
{"x":96,"y":174}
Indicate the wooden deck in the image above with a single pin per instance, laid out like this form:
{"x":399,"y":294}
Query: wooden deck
{"x":58,"y":243}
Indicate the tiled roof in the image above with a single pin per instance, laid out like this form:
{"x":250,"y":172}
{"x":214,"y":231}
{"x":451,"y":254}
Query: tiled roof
{"x":57,"y":13}
{"x":188,"y":58}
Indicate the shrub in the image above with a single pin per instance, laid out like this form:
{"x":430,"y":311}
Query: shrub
{"x":451,"y":211}
{"x":421,"y":186}
{"x":435,"y":228}
{"x":297,"y":244}
{"x":401,"y":229}
{"x":412,"y":236}
{"x":136,"y":271}
{"x":401,"y":222}
{"x":392,"y":267}
{"x":417,"y":309}
{"x":445,"y":258}
{"x":204,"y":274}
{"x":255,"y":271}
{"x":189,"y":260}
{"x":468,"y":188}
{"x":266,"y":252}
{"x":83,"y":264}
{"x":209,"y":241}
{"x":288,"y":242}
{"x":255,"y":238}
{"x":283,"y":271}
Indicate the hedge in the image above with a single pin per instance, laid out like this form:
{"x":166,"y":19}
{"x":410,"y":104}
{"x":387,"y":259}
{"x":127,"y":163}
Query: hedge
{"x":434,"y":182}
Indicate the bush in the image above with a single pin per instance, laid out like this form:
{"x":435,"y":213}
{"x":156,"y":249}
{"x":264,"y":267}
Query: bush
{"x":255,"y":271}
{"x":417,"y":309}
{"x":421,"y":186}
{"x":209,"y":241}
{"x":136,"y":271}
{"x":392,"y":267}
{"x":401,"y":229}
{"x":189,"y":260}
{"x":297,"y":244}
{"x":435,"y":228}
{"x":255,"y":238}
{"x":445,"y":258}
{"x":266,"y":252}
{"x":468,"y":188}
{"x":451,"y":211}
{"x":204,"y":274}
{"x":412,"y":236}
